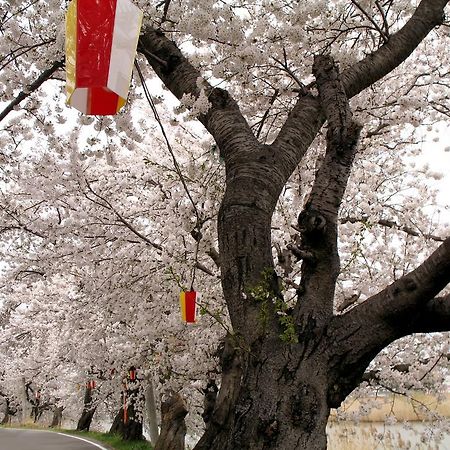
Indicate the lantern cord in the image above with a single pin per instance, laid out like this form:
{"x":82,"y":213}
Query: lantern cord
{"x":174,"y":159}
{"x":163,"y":131}
{"x":197,"y":245}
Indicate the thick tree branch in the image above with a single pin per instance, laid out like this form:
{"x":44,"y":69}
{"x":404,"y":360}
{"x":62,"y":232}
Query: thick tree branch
{"x":32,"y":87}
{"x":298,"y":132}
{"x":429,"y":14}
{"x":214,"y":255}
{"x":434,"y":317}
{"x":305,"y":119}
{"x":405,"y":307}
{"x":408,"y":295}
{"x":223,"y":120}
{"x":318,"y":221}
{"x":204,"y":269}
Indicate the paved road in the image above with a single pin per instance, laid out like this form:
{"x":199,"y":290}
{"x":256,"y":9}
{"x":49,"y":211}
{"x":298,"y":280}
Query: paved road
{"x":12,"y":439}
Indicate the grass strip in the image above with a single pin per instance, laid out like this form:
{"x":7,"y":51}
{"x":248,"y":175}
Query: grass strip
{"x":112,"y":440}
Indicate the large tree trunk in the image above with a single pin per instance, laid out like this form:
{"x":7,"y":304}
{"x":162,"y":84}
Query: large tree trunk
{"x":273,"y":391}
{"x":89,"y":408}
{"x":283,"y":369}
{"x":6,"y":418}
{"x":127,"y":423}
{"x":173,"y":426}
{"x":280,"y":371}
{"x":130,"y":429}
{"x":9,"y":412}
{"x":57,"y":417}
{"x":277,"y":399}
{"x":85,"y":420}
{"x":25,"y":404}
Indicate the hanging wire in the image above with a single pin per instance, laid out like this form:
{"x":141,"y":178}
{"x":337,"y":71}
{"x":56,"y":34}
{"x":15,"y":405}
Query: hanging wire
{"x":195,"y":265}
{"x":175,"y":163}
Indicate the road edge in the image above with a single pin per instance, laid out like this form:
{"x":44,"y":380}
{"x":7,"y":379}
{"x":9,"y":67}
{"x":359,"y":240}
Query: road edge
{"x":101,"y":446}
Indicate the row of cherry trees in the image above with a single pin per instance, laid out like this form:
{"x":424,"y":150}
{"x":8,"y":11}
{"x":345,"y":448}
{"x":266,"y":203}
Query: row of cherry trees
{"x":102,"y":223}
{"x":96,"y":258}
{"x":100,"y":241}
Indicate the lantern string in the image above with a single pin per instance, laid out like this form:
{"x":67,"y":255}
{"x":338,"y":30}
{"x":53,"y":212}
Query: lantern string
{"x":197,"y":245}
{"x":198,"y":225}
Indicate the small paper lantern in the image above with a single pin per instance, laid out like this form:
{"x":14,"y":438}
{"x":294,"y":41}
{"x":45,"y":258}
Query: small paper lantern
{"x":101,"y":41}
{"x":91,"y":384}
{"x":132,"y":374}
{"x":188,"y":303}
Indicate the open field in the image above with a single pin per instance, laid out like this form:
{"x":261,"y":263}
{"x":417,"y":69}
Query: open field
{"x":418,"y":407}
{"x":394,"y":423}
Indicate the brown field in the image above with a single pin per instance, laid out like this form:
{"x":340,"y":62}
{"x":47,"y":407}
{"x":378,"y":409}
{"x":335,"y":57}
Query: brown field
{"x":419,"y":407}
{"x":391,"y":423}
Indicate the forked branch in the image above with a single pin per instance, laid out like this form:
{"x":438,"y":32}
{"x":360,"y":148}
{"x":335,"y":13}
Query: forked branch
{"x":305,"y":119}
{"x":223,"y":120}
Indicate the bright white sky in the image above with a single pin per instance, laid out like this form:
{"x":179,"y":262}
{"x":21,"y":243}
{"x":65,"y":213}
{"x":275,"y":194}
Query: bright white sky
{"x":436,"y":153}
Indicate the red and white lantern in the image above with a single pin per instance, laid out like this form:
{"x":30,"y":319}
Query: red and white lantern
{"x":101,"y":41}
{"x":188,"y":304}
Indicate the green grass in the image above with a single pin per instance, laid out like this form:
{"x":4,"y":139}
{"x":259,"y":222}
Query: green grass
{"x":112,"y":440}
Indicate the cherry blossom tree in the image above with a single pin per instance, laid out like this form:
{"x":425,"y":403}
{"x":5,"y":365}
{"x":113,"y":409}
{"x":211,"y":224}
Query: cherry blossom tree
{"x":326,"y":247}
{"x":89,"y":306}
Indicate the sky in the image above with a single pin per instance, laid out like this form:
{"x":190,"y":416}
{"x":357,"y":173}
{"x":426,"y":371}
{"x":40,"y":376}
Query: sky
{"x":436,"y":153}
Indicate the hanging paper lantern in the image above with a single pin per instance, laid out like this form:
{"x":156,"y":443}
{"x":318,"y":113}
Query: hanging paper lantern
{"x":188,"y":303}
{"x":132,"y":374}
{"x":91,"y":384}
{"x":101,"y":41}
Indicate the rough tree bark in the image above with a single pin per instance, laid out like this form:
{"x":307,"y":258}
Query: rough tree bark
{"x":9,"y":412}
{"x":57,"y":416}
{"x":281,"y":376}
{"x":129,"y":430}
{"x":128,"y":423}
{"x":6,"y":418}
{"x":89,"y":408}
{"x":173,"y":426}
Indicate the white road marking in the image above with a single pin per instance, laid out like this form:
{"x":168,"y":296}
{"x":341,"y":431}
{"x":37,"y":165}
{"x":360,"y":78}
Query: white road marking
{"x":85,"y":440}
